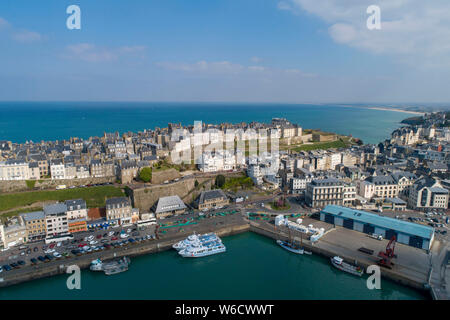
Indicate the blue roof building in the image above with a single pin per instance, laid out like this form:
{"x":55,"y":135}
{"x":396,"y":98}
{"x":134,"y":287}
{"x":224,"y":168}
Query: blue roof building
{"x":413,"y":234}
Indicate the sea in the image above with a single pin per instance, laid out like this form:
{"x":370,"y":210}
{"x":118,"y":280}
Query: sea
{"x":36,"y":121}
{"x":254,"y":267}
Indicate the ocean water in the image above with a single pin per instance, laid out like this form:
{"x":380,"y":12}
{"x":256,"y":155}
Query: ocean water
{"x":253,"y":267}
{"x":36,"y":121}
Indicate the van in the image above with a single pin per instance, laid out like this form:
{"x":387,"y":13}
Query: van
{"x":61,"y":187}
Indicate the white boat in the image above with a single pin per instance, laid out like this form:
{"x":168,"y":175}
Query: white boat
{"x":307,"y":252}
{"x":203,"y":250}
{"x":196,"y":240}
{"x":339,"y":263}
{"x":96,"y":265}
{"x":290,"y":247}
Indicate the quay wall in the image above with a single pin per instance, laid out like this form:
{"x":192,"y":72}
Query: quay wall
{"x":45,"y":184}
{"x":59,"y":267}
{"x":386,"y":273}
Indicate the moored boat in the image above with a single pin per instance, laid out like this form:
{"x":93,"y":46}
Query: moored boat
{"x":290,"y":247}
{"x":339,"y":263}
{"x":202,"y":250}
{"x":96,"y":265}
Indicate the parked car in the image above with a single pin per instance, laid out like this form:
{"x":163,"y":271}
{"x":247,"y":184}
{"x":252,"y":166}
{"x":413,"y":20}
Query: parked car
{"x":21,"y":262}
{"x":35,"y":249}
{"x":33,"y":261}
{"x":99,"y":236}
{"x":6,"y":267}
{"x":41,"y":258}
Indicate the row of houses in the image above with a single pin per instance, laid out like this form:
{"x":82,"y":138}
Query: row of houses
{"x":73,"y":216}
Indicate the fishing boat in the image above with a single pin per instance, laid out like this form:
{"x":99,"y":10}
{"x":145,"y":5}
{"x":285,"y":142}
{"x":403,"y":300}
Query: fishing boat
{"x":339,"y":263}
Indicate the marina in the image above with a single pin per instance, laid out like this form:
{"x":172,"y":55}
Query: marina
{"x":260,"y":256}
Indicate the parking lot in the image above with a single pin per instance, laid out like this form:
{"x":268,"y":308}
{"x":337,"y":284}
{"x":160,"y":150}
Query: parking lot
{"x":82,"y":243}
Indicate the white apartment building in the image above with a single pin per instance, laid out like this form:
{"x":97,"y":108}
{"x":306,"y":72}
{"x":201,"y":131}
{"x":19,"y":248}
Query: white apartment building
{"x":76,"y":209}
{"x":56,"y":219}
{"x":57,"y":169}
{"x":14,"y":170}
{"x":349,"y":195}
{"x":254,"y":172}
{"x":428,"y":194}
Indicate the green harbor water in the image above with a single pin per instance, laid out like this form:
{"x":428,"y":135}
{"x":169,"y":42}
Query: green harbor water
{"x":254,"y":267}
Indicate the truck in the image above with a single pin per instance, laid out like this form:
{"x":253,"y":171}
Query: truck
{"x":376,"y":236}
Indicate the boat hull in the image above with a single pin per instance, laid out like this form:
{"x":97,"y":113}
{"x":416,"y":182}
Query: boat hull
{"x":347,"y":268}
{"x":288,"y":248}
{"x":202,"y":254}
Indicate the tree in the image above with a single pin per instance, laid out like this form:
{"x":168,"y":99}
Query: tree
{"x":196,"y":183}
{"x":145,"y":174}
{"x":220,"y":181}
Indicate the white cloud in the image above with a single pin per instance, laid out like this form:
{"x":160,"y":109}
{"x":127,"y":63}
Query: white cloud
{"x":220,"y":67}
{"x":227,"y":68}
{"x":415,"y":31}
{"x":3,"y":23}
{"x":92,"y":53}
{"x":256,"y":59}
{"x":23,"y":36}
{"x":26,"y":36}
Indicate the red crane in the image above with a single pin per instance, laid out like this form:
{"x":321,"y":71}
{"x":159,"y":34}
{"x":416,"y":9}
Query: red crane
{"x":388,"y":255}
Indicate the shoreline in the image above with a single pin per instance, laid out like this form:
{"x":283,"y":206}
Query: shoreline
{"x":385,"y":109}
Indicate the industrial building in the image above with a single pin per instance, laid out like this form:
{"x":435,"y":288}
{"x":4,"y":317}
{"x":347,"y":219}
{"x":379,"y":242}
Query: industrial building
{"x":412,"y":234}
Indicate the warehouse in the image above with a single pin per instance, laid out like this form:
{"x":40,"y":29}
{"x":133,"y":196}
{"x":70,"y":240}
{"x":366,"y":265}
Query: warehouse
{"x":412,"y":234}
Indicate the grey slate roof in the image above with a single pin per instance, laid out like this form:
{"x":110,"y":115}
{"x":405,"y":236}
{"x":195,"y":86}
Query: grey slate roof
{"x":73,"y":204}
{"x":211,"y":194}
{"x":171,"y":203}
{"x":55,"y":208}
{"x":29,"y":216}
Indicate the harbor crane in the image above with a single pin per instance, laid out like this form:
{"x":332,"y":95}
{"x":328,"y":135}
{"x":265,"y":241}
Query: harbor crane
{"x":387,"y":255}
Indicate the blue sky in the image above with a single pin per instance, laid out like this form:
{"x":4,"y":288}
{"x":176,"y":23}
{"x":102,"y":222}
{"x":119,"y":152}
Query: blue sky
{"x":224,"y":50}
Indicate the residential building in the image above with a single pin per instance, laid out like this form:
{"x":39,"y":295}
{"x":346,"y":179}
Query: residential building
{"x":320,"y":193}
{"x":35,"y":224}
{"x":118,"y":210}
{"x":76,"y":209}
{"x":428,"y":194}
{"x":212,"y":199}
{"x":56,"y":219}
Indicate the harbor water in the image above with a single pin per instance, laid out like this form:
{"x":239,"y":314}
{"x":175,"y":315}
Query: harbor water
{"x":253,"y":267}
